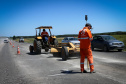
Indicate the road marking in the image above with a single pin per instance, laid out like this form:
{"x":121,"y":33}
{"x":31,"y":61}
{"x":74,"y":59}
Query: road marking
{"x":112,"y":78}
{"x":110,"y":60}
{"x":1,"y":46}
{"x":76,"y":64}
{"x":57,"y":75}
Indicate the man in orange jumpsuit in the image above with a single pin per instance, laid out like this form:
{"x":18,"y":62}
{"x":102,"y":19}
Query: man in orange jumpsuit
{"x":44,"y":35}
{"x":85,"y":38}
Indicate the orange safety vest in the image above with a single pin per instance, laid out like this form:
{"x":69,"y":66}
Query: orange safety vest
{"x":85,"y":38}
{"x":44,"y":33}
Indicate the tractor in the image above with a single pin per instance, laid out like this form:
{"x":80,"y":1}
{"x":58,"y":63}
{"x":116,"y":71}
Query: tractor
{"x":39,"y":44}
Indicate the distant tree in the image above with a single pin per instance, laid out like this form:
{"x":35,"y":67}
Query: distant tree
{"x":14,"y":37}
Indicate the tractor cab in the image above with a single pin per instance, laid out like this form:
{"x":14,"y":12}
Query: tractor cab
{"x":39,"y":30}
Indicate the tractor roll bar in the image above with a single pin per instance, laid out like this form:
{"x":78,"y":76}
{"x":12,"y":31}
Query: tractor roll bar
{"x":44,"y":27}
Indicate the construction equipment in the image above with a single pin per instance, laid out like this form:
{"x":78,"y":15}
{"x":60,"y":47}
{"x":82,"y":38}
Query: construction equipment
{"x":65,"y":49}
{"x":39,"y":44}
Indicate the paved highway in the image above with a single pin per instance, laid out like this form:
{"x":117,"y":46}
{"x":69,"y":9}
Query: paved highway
{"x":29,"y":68}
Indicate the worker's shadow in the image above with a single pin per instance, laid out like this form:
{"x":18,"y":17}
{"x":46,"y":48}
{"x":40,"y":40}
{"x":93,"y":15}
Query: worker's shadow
{"x":70,"y":72}
{"x":33,"y":53}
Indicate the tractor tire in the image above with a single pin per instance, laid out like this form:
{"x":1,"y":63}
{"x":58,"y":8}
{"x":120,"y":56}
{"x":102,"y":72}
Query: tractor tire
{"x":64,"y":53}
{"x":37,"y":47}
{"x":46,"y":49}
{"x":31,"y":48}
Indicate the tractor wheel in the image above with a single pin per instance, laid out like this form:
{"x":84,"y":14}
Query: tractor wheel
{"x":31,"y":48}
{"x":64,"y":53}
{"x":46,"y":49}
{"x":37,"y":47}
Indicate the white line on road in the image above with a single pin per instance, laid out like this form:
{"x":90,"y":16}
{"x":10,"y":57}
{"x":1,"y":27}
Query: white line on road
{"x":57,"y":75}
{"x":109,"y":60}
{"x":112,"y":78}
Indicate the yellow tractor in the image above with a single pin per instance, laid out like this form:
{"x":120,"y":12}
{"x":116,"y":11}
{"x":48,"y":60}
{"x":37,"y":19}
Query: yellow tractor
{"x":39,"y":44}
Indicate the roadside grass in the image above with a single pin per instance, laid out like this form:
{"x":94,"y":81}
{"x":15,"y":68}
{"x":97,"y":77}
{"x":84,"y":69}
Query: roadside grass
{"x":118,"y":37}
{"x":121,"y":38}
{"x":60,"y":39}
{"x":17,"y":39}
{"x":28,"y":40}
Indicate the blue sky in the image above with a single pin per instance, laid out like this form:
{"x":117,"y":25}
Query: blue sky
{"x":21,"y":17}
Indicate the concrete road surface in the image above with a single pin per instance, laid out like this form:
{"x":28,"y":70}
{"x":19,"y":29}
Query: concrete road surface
{"x":29,"y":68}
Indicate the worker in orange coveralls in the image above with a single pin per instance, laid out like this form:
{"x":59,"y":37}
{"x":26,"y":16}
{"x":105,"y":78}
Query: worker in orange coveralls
{"x":85,"y":38}
{"x":44,"y":35}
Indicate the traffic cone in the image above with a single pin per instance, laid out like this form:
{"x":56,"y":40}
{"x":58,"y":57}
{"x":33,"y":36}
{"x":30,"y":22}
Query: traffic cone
{"x":13,"y":45}
{"x":18,"y":50}
{"x":10,"y":43}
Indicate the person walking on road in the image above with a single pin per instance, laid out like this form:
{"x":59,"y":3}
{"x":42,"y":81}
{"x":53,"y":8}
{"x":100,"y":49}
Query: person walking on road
{"x":85,"y":38}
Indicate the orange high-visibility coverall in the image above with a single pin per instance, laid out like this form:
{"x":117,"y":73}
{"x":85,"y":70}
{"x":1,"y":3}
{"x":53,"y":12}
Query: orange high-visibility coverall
{"x":85,"y":38}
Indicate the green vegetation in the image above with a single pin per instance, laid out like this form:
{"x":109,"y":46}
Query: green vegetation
{"x":118,"y":35}
{"x":60,"y":39}
{"x":111,"y":33}
{"x":28,"y":40}
{"x":67,"y":35}
{"x":121,"y":38}
{"x":14,"y":37}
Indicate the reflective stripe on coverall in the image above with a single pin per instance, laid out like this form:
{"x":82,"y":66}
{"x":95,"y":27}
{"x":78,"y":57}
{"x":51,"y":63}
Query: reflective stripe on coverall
{"x":85,"y":38}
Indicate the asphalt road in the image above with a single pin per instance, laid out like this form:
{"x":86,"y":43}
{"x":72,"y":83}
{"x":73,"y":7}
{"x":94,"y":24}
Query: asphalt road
{"x":29,"y":68}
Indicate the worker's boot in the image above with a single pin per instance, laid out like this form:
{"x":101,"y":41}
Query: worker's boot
{"x":83,"y":71}
{"x":93,"y":71}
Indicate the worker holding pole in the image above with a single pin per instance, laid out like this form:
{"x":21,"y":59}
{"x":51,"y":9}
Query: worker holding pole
{"x":85,"y":38}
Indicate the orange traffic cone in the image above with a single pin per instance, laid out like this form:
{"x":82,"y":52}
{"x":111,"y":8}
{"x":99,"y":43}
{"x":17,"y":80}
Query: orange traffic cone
{"x":13,"y":45}
{"x":10,"y":43}
{"x":18,"y":50}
